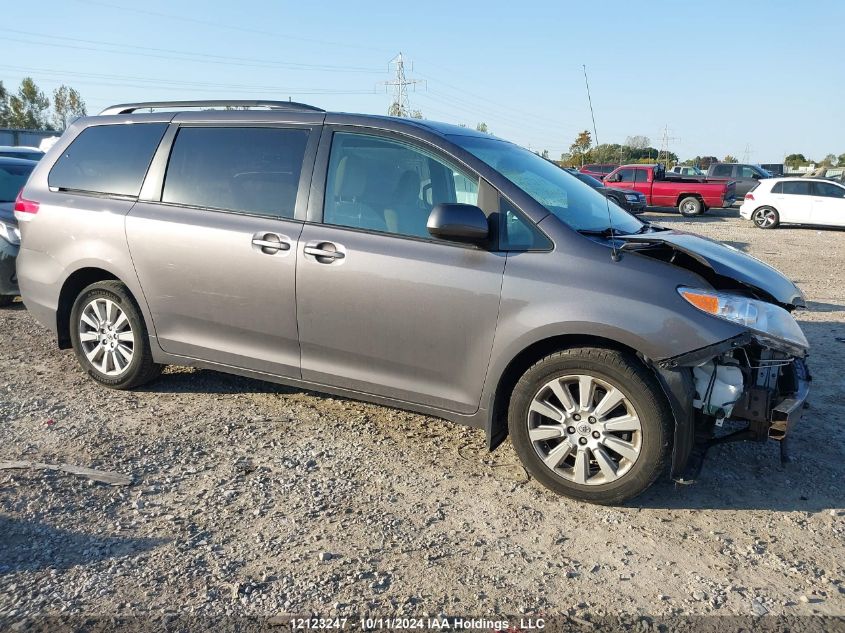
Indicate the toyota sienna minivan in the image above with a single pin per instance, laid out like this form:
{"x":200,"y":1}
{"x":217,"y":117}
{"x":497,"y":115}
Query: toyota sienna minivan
{"x":409,"y":263}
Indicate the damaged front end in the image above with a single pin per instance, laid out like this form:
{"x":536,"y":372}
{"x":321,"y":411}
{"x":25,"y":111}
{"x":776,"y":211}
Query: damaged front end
{"x":749,"y":380}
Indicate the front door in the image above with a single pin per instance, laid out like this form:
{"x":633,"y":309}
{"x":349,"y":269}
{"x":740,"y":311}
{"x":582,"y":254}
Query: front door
{"x":383,"y":308}
{"x":793,"y":201}
{"x":216,"y":256}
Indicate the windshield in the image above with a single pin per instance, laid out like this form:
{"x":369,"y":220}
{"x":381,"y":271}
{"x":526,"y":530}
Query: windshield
{"x":562,"y":194}
{"x":12,"y":180}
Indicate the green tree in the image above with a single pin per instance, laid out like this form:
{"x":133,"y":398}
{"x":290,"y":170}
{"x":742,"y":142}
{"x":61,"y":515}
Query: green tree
{"x":482,"y":127}
{"x":840,"y":161}
{"x":28,"y":109}
{"x":795,"y":160}
{"x":581,"y":146}
{"x":729,"y":159}
{"x":4,"y":106}
{"x":68,"y":104}
{"x":829,"y":160}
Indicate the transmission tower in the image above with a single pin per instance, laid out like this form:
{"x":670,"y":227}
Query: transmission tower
{"x":664,"y":145}
{"x":400,"y":106}
{"x":746,"y":155}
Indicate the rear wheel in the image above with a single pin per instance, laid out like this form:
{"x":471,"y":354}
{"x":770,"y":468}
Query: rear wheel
{"x":690,"y":206}
{"x":109,"y":336}
{"x":6,"y":300}
{"x":591,"y":424}
{"x":765,"y":218}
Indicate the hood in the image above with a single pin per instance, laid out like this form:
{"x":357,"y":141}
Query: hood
{"x":625,"y":191}
{"x":726,"y":261}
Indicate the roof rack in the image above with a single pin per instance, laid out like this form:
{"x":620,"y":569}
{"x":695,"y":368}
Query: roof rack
{"x":129,"y":108}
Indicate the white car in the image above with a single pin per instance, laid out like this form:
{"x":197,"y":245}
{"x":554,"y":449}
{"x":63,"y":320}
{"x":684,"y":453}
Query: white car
{"x":795,"y":201}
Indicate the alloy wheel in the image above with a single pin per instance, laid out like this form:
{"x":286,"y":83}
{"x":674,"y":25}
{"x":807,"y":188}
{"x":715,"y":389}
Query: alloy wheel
{"x":764,"y":218}
{"x":584,"y":429}
{"x":106,"y":336}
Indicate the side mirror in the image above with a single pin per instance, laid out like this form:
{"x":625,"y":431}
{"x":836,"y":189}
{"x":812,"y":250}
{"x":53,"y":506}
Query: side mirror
{"x":458,"y":223}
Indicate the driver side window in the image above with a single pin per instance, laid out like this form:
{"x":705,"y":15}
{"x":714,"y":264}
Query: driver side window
{"x":380,"y":184}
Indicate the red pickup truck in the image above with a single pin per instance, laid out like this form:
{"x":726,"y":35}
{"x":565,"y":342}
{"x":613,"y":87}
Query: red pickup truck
{"x":692,"y":196}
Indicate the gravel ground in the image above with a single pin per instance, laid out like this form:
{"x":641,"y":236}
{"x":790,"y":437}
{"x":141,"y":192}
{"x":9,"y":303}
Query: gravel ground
{"x":250,"y":498}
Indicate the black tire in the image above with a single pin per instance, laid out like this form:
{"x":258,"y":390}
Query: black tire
{"x":765,"y":218}
{"x":690,"y":207}
{"x":6,"y":300}
{"x":141,"y":369}
{"x":640,"y":389}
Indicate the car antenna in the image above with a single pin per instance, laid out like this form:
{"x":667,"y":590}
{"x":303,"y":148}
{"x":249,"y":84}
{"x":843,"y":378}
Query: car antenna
{"x":614,"y":252}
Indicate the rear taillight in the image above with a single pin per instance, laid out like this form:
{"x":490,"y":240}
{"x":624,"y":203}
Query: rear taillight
{"x":749,"y":196}
{"x":22,"y":205}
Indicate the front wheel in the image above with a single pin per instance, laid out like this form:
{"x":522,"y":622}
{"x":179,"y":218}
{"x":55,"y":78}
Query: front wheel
{"x":765,"y":218}
{"x":591,"y":424}
{"x":109,"y":336}
{"x":690,"y":206}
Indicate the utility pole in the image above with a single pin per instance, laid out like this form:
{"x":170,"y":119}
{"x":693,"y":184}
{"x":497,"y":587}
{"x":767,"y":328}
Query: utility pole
{"x":664,"y":145}
{"x":400,"y":106}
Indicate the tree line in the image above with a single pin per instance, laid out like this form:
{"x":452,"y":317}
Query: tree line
{"x":30,"y":109}
{"x":638,"y":149}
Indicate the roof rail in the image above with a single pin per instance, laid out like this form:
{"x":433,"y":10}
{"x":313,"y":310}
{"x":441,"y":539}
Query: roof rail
{"x":129,"y":108}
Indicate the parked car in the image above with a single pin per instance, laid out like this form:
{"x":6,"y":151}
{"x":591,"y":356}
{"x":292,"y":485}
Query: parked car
{"x":13,"y":175}
{"x":746,"y":177}
{"x":692,"y":196}
{"x":630,"y":200}
{"x":15,"y":151}
{"x":795,"y":201}
{"x":328,"y":251}
{"x":828,"y":173}
{"x":598,"y":170}
{"x":686,"y":170}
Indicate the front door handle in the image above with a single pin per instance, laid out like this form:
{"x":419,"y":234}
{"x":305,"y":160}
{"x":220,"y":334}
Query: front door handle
{"x":325,"y":252}
{"x":271,"y":243}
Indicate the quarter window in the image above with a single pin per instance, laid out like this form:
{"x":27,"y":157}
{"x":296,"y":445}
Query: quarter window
{"x":385,"y":185}
{"x":723,"y":171}
{"x":108,"y":159}
{"x":245,"y":169}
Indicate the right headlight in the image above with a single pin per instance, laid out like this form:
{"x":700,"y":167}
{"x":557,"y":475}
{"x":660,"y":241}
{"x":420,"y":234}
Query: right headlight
{"x":10,"y":233}
{"x":767,"y":319}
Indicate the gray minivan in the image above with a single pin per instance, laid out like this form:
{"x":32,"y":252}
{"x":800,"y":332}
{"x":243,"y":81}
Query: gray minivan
{"x":413,"y":264}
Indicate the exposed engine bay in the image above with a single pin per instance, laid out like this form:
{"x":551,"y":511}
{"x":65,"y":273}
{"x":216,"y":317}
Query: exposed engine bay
{"x":748,"y":384}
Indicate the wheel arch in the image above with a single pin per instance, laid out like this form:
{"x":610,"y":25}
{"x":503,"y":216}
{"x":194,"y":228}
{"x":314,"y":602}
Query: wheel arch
{"x":78,"y":280}
{"x":497,"y":426}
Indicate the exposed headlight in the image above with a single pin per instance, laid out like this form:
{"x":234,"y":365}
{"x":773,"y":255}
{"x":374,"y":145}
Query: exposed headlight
{"x":632,"y":197}
{"x":765,"y":318}
{"x":10,"y":233}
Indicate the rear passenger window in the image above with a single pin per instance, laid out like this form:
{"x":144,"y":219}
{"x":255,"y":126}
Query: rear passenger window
{"x":245,"y":169}
{"x":641,"y":175}
{"x":796,"y":188}
{"x":777,"y":188}
{"x":108,"y":159}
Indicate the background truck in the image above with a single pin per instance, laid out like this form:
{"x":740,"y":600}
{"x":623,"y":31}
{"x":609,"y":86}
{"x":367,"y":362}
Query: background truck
{"x":745,"y":176}
{"x":692,"y":196}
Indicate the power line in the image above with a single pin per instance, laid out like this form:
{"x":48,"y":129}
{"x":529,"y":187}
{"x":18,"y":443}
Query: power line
{"x":182,"y":55}
{"x":230,"y":27}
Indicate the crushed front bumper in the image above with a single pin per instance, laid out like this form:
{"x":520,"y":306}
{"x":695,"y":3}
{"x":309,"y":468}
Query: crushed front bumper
{"x":776,"y":386}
